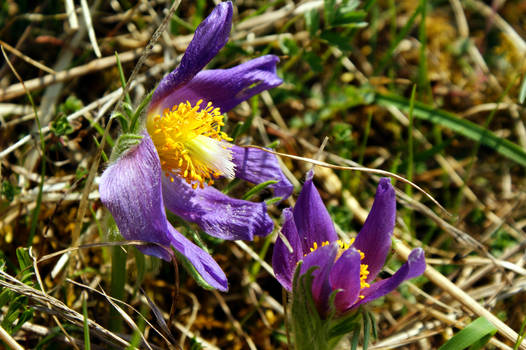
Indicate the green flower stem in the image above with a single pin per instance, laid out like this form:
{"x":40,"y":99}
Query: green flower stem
{"x":310,"y":330}
{"x":118,"y":281}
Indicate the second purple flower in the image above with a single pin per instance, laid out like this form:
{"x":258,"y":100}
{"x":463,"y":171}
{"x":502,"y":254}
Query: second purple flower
{"x":346,"y":268}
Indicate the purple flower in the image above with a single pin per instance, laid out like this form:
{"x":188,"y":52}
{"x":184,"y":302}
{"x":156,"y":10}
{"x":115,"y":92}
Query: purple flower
{"x":349,"y":268}
{"x":183,"y":150}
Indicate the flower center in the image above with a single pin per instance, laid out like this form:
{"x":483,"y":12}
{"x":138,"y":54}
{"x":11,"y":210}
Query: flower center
{"x":364,"y":268}
{"x":190,"y":143}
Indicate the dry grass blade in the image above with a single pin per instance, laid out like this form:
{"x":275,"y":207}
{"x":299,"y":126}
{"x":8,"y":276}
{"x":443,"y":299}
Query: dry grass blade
{"x":29,"y":60}
{"x":462,"y":297}
{"x":160,"y":319}
{"x":91,"y":32}
{"x":127,"y":318}
{"x":116,"y":301}
{"x":56,"y":307}
{"x":8,"y":340}
{"x":99,"y":245}
{"x":55,"y":318}
{"x":356,"y":168}
{"x":235,"y":323}
{"x":72,"y":14}
{"x":255,"y":256}
{"x":17,"y":90}
{"x":493,"y":16}
{"x":455,"y":232}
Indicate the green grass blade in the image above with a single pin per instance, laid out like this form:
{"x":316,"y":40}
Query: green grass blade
{"x":122,"y":78}
{"x":410,"y":165}
{"x":464,"y":127}
{"x":87,"y":344}
{"x":134,"y":126}
{"x":475,"y":336}
{"x":522,"y":335}
{"x":522,"y":91}
{"x":388,"y":56}
{"x":366,"y":330}
{"x":258,"y":188}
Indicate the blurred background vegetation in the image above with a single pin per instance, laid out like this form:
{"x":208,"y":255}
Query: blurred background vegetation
{"x":432,"y":90}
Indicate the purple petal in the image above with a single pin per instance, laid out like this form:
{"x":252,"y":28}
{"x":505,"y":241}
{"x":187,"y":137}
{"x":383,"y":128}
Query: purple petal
{"x":323,"y":257}
{"x":226,"y":88}
{"x":131,"y":189}
{"x":210,"y":37}
{"x":204,"y":264}
{"x":345,"y":275}
{"x":374,"y":239}
{"x":216,"y":213}
{"x":414,"y":267}
{"x":284,"y":261}
{"x":257,"y":166}
{"x":313,"y":222}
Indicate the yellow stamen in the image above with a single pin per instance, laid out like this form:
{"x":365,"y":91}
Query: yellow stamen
{"x":190,"y":143}
{"x":364,"y":269}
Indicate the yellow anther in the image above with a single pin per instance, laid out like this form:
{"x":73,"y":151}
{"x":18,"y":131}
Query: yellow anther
{"x":364,"y":268}
{"x":364,"y":272}
{"x":190,"y":143}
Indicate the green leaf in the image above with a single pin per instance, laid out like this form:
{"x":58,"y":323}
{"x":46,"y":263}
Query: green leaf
{"x":24,"y":259}
{"x":350,"y":19}
{"x":310,"y":329}
{"x":25,"y":316}
{"x":475,"y":336}
{"x":195,"y":344}
{"x":289,"y":47}
{"x":307,"y":326}
{"x":128,"y":109}
{"x":80,"y":173}
{"x":18,"y":312}
{"x":374,"y":330}
{"x":312,"y":21}
{"x":123,"y":121}
{"x":464,"y":127}
{"x":9,"y":191}
{"x":236,"y":130}
{"x":61,"y":126}
{"x":123,"y":144}
{"x":72,"y":104}
{"x":337,"y":39}
{"x":314,"y":61}
{"x":366,"y":330}
{"x":344,"y":324}
{"x":355,"y":338}
{"x":329,"y":11}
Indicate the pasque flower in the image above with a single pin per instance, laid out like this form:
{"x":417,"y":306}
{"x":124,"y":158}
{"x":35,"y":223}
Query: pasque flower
{"x":349,"y":268}
{"x":183,"y":150}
